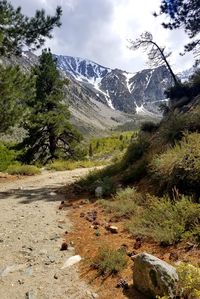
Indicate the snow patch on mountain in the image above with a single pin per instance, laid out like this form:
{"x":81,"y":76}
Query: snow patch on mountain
{"x":149,"y":78}
{"x":141,"y":110}
{"x":83,"y":70}
{"x":128,"y":83}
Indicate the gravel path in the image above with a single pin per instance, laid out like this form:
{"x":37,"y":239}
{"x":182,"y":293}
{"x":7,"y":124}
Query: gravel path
{"x":31,"y":229}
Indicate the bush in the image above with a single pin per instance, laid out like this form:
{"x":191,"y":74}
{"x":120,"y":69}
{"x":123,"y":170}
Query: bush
{"x":7,"y":157}
{"x":180,"y":166}
{"x":100,"y":178}
{"x":18,"y":169}
{"x":188,"y":286}
{"x":189,"y":281}
{"x":110,"y":261}
{"x":108,"y":186}
{"x":61,"y":165}
{"x":166,"y":222}
{"x":124,"y":203}
{"x":134,"y":152}
{"x":173,"y":128}
{"x":178,"y":91}
{"x":135,"y":172}
{"x":149,"y":127}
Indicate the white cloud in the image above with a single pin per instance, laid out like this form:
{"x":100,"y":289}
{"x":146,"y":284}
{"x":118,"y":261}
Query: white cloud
{"x":99,"y":29}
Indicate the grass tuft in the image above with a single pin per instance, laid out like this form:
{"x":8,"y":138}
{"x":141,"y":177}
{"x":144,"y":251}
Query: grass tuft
{"x":18,"y":169}
{"x":109,"y":261}
{"x":123,"y":204}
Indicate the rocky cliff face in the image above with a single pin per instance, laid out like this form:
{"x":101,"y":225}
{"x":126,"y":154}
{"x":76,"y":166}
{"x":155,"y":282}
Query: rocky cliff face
{"x":139,"y":92}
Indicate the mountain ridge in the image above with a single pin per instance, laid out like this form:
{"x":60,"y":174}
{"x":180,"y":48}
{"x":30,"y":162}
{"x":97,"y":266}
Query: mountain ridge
{"x":120,"y":90}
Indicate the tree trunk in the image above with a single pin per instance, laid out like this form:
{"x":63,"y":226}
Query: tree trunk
{"x":52,"y":143}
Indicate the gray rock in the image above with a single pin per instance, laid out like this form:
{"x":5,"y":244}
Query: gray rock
{"x":71,"y":261}
{"x":154,"y":277}
{"x":30,"y":295}
{"x":11,"y":269}
{"x":29,"y":271}
{"x":52,"y":194}
{"x":99,"y":192}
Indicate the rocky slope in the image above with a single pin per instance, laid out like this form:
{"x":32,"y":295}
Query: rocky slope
{"x":101,"y":99}
{"x":139,"y":92}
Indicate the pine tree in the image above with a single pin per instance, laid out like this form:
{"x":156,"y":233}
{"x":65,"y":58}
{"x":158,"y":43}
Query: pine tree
{"x":17,"y":30}
{"x":50,"y":134}
{"x":156,"y":54}
{"x":183,"y":14}
{"x":15,"y":89}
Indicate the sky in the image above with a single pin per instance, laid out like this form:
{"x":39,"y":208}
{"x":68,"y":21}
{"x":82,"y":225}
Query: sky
{"x":99,"y":30}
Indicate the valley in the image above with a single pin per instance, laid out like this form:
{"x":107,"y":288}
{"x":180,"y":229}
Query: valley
{"x":99,"y":154}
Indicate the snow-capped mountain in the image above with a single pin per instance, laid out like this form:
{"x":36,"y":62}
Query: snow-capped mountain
{"x":82,"y":70}
{"x":139,"y":92}
{"x":186,"y":74}
{"x":101,"y":98}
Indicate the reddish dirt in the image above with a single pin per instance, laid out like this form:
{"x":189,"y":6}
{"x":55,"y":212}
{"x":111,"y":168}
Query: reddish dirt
{"x":87,"y":243}
{"x":4,"y":178}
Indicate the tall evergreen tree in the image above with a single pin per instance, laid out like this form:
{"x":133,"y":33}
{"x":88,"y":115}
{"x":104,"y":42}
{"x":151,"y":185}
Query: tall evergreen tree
{"x":17,"y":30}
{"x":50,"y":134}
{"x":15,"y":89}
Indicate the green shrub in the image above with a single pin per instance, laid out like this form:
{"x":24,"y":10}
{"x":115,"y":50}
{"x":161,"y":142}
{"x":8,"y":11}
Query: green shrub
{"x":18,"y":169}
{"x":165,"y":221}
{"x":102,"y":178}
{"x":61,"y":165}
{"x":188,"y":286}
{"x":7,"y":157}
{"x":124,"y":203}
{"x":107,"y":184}
{"x":178,"y":91}
{"x":180,"y":166}
{"x":134,"y":152}
{"x":135,"y":172}
{"x":189,"y":281}
{"x":149,"y":127}
{"x":109,"y":261}
{"x":173,"y":129}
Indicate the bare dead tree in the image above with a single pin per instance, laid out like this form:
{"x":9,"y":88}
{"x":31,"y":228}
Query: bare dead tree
{"x":156,"y":54}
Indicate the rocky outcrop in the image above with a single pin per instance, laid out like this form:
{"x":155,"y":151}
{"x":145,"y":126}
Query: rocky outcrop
{"x":154,"y":277}
{"x":118,"y":89}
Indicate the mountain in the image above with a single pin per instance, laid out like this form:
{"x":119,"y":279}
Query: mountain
{"x":139,"y":92}
{"x":102,"y":99}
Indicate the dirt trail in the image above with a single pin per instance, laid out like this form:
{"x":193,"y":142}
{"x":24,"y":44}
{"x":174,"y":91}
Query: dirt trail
{"x":31,"y":229}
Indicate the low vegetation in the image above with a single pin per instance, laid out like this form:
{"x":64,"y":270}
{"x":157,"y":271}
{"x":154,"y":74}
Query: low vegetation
{"x":166,"y":221}
{"x":110,"y":147}
{"x":189,"y":282}
{"x":17,"y":169}
{"x":180,"y":165}
{"x":61,"y":165}
{"x":7,"y":157}
{"x":123,"y":204}
{"x":163,"y":220}
{"x":109,"y":261}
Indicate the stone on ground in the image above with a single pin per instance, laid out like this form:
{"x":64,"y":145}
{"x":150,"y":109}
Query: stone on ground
{"x":154,"y":277}
{"x":71,"y":261}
